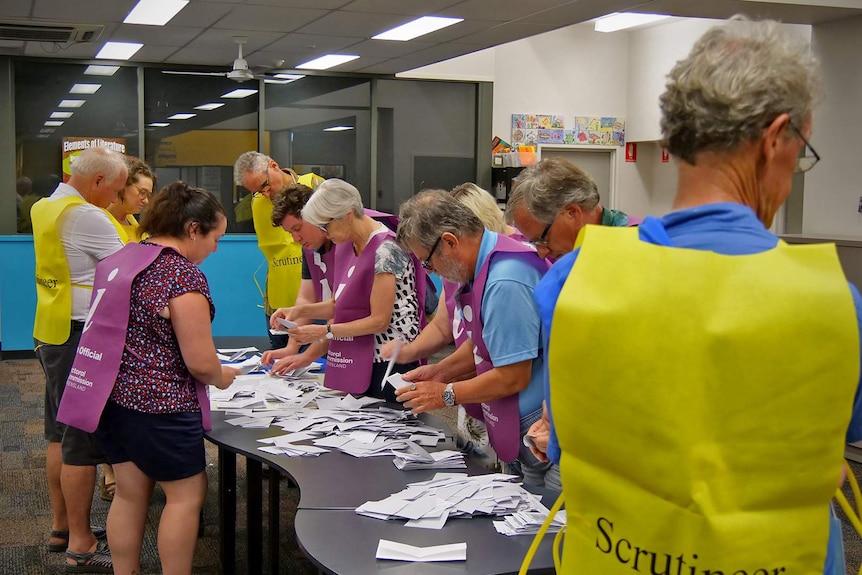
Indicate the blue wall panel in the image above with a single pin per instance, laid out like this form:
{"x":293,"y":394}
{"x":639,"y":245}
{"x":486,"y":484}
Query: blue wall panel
{"x":230,"y":271}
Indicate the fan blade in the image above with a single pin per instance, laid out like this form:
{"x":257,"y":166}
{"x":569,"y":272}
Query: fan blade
{"x":190,"y":73}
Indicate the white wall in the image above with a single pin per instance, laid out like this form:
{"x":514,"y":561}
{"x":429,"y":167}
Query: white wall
{"x":832,"y":188}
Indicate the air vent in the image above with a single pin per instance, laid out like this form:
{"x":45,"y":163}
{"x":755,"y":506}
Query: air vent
{"x":62,"y":33}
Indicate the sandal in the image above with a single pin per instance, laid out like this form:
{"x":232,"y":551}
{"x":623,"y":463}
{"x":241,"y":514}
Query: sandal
{"x":99,"y":532}
{"x":98,"y":561}
{"x":106,"y":489}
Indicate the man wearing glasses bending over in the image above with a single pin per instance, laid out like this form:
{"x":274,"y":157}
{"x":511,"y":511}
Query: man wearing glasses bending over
{"x":262,"y":176}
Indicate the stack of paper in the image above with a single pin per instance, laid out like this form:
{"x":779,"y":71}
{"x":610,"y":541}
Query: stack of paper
{"x":529,"y":522}
{"x":428,"y":504}
{"x":414,"y":457}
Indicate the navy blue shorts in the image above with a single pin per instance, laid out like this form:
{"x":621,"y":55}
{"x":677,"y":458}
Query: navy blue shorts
{"x":165,"y":446}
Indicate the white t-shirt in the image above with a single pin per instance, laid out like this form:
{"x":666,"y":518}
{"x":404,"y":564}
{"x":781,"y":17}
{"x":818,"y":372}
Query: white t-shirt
{"x":88,"y":237}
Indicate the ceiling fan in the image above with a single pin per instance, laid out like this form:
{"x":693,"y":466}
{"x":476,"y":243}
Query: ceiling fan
{"x":240,"y":72}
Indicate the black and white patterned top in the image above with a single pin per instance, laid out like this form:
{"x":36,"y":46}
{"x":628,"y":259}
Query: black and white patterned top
{"x":391,"y":259}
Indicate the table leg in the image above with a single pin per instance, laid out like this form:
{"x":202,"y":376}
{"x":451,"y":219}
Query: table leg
{"x":227,"y":509}
{"x":274,"y":517}
{"x":254,"y":508}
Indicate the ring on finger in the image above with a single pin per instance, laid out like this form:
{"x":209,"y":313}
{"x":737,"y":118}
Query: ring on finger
{"x":412,"y":387}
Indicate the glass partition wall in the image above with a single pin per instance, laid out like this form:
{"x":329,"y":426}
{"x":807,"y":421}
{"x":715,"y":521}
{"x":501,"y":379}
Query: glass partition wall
{"x":388,"y":137}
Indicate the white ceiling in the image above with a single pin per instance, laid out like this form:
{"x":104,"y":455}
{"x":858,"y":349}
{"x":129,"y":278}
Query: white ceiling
{"x":296,"y":31}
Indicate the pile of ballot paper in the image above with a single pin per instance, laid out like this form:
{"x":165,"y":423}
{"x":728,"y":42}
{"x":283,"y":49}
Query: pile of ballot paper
{"x":428,"y":504}
{"x":414,"y":457}
{"x":529,"y":522}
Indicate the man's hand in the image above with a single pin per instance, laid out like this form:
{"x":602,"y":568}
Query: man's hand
{"x":422,"y":396}
{"x":430,"y":372}
{"x":540,"y":432}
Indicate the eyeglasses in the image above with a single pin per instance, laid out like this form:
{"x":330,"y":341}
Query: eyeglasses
{"x":265,"y":186}
{"x":144,"y":193}
{"x":810,"y":157}
{"x":325,"y":227}
{"x":426,"y":263}
{"x":543,"y":239}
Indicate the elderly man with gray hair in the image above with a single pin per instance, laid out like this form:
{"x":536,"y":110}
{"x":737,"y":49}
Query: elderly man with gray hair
{"x":684,"y":354}
{"x":552,"y":201}
{"x":498,"y":365}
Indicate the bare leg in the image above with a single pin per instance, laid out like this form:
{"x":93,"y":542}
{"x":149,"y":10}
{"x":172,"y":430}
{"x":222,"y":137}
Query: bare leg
{"x":127,"y":517}
{"x":110,"y":480}
{"x":53,"y":465}
{"x":78,"y":482}
{"x":178,"y":527}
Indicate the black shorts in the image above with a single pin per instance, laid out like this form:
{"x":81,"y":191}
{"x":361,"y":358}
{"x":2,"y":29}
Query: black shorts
{"x":165,"y":446}
{"x":78,"y":447}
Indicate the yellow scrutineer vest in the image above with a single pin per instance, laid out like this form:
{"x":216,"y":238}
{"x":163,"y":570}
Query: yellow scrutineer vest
{"x":53,"y":280}
{"x":283,"y":255}
{"x":701,"y":403}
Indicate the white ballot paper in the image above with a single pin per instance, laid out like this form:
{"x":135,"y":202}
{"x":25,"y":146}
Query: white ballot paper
{"x":403,"y":552}
{"x":287,"y":323}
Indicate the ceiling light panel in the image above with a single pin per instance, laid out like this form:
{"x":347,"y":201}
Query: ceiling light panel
{"x":154,"y":12}
{"x":622,"y":20}
{"x":338,"y":129}
{"x":118,"y":50}
{"x":71,"y":103}
{"x":328,"y":61}
{"x":239,"y":93}
{"x":416,"y":28}
{"x":61,"y":115}
{"x":101,"y":70}
{"x":210,"y":106}
{"x":159,"y":124}
{"x":54,"y":123}
{"x":181,"y":116}
{"x":85,"y":88}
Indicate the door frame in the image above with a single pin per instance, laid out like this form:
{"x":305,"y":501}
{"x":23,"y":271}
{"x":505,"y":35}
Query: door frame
{"x":613,"y":198}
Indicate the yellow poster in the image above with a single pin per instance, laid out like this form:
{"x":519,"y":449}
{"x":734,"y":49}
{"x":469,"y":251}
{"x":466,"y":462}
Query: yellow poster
{"x":73,"y":146}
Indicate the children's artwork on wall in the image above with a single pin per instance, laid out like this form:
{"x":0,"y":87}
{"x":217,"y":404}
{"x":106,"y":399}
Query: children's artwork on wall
{"x":532,"y":129}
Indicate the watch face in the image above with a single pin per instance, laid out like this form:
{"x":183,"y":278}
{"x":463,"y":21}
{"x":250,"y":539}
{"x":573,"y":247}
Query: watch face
{"x":449,"y":397}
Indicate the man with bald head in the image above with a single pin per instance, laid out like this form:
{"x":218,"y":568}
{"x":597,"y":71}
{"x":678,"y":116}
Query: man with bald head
{"x":71,"y":234}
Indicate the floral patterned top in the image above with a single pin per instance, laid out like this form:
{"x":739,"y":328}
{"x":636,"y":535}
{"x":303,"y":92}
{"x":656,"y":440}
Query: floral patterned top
{"x":153,"y":377}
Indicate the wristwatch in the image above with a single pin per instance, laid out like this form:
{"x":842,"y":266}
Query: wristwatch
{"x":449,"y":395}
{"x":329,"y":331}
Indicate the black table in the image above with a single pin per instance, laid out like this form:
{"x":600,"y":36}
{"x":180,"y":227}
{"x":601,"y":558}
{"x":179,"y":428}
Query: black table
{"x":328,"y":530}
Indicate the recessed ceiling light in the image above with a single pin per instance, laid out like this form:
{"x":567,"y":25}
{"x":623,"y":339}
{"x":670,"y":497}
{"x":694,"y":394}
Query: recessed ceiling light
{"x":54,"y":123}
{"x":239,"y":93}
{"x":47,"y":131}
{"x":337,"y":128}
{"x":210,"y":106}
{"x":71,"y":103}
{"x":43,"y":135}
{"x":416,"y":28}
{"x":328,"y":61}
{"x":118,"y":50}
{"x":154,"y":12}
{"x":95,"y":70}
{"x":85,"y":88}
{"x":622,"y":20}
{"x":289,"y":77}
{"x":129,"y":135}
{"x":181,"y":116}
{"x":57,"y":115}
{"x":159,"y":124}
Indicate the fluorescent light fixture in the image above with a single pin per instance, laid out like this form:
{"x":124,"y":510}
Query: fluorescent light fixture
{"x":154,"y":12}
{"x":54,"y":123}
{"x":328,"y":61}
{"x":290,"y":77}
{"x":85,"y":88}
{"x":239,"y":93}
{"x":210,"y":106}
{"x":61,"y":115}
{"x":622,"y":20}
{"x":159,"y":124}
{"x":338,"y":128}
{"x":118,"y":50}
{"x":47,"y":131}
{"x":71,"y":103}
{"x":43,"y":135}
{"x":101,"y":70}
{"x":416,"y":28}
{"x":181,"y":116}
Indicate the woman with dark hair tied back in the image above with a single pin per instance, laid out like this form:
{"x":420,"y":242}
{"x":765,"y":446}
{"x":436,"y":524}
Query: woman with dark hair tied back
{"x":152,"y":425}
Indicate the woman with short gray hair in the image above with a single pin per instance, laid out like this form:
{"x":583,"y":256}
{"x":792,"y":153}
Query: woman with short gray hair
{"x":378,"y":297}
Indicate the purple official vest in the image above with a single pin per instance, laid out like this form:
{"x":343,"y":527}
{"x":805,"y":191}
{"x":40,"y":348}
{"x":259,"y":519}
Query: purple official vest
{"x":322,"y":266}
{"x":501,"y":416}
{"x":100,"y":351}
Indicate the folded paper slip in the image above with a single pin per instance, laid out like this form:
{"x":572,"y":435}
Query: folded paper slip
{"x":403,"y":552}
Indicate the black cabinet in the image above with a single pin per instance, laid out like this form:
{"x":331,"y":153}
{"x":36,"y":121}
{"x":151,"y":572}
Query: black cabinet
{"x":502,"y":182}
